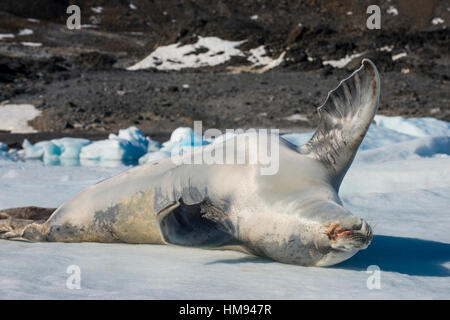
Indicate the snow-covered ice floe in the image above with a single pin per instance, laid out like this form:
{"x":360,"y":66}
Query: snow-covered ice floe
{"x":399,"y":182}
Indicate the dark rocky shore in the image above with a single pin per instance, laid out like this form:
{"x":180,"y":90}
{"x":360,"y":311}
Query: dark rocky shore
{"x":79,"y":82}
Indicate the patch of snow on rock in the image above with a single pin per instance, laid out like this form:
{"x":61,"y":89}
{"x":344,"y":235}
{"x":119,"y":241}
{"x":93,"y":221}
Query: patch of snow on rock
{"x":392,"y":10}
{"x":15,"y":117}
{"x":25,"y":32}
{"x":97,"y":9}
{"x":386,"y":48}
{"x":207,"y":51}
{"x":341,"y":63}
{"x":399,"y":56}
{"x":437,"y":20}
{"x":258,"y":57}
{"x":6,"y":35}
{"x":31,"y":44}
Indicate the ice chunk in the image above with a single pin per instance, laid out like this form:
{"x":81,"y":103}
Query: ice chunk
{"x":6,"y":35}
{"x":388,"y":130}
{"x":4,"y":154}
{"x":380,"y":136}
{"x":153,"y":145}
{"x":51,"y":151}
{"x":184,"y":136}
{"x":37,"y":150}
{"x":417,"y":127}
{"x":111,"y":149}
{"x":133,"y":135}
{"x":129,"y":144}
{"x":70,"y":147}
{"x":413,"y":149}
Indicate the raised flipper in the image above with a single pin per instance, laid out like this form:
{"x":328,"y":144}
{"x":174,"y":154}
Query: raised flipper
{"x":14,"y":221}
{"x":344,"y":120}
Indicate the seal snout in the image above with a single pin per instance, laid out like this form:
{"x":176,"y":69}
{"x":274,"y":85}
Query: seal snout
{"x":358,"y":235}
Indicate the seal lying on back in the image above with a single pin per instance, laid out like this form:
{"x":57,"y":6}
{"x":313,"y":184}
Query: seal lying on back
{"x":293,"y":216}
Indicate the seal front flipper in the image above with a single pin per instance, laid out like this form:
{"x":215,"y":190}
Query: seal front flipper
{"x":344,"y":120}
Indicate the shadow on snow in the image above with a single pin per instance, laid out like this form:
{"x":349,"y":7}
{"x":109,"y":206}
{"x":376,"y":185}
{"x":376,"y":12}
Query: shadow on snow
{"x":415,"y":257}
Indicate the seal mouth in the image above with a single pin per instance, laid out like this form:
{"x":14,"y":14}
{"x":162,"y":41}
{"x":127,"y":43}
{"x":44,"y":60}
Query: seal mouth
{"x":335,"y":232}
{"x":347,"y":239}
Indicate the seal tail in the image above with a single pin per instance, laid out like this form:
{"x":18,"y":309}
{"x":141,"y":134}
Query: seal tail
{"x":345,"y":118}
{"x":14,"y":221}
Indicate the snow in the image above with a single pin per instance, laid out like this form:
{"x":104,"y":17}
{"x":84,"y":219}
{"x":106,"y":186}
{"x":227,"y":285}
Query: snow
{"x":87,"y":26}
{"x":6,"y":35}
{"x":207,"y":51}
{"x":177,"y":56}
{"x":25,"y":32}
{"x":387,"y":48}
{"x":418,"y":127}
{"x":259,"y":58}
{"x":399,"y":182}
{"x":254,"y":17}
{"x":392,"y":10}
{"x":399,"y":56}
{"x":31,"y":44}
{"x":132,"y":6}
{"x":97,"y":9}
{"x":437,"y":20}
{"x":341,"y":63}
{"x":296,"y":117}
{"x":33,"y":20}
{"x":15,"y":117}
